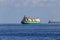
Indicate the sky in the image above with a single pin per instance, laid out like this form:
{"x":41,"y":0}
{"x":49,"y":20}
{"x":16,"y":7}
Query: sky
{"x":13,"y":11}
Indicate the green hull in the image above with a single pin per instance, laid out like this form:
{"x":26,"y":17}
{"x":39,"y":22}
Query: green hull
{"x":30,"y":22}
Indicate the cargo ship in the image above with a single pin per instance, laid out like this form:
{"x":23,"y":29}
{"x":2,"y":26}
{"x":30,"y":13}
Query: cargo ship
{"x":29,"y":20}
{"x":54,"y":21}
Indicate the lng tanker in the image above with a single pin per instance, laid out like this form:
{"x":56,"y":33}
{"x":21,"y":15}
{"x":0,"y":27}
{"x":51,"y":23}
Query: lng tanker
{"x":29,"y":20}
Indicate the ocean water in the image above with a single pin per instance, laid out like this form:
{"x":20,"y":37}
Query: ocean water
{"x":29,"y":31}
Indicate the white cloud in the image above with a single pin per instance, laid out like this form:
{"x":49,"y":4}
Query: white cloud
{"x":30,"y":3}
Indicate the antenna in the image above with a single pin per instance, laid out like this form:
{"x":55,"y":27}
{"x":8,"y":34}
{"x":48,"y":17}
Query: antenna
{"x":24,"y":15}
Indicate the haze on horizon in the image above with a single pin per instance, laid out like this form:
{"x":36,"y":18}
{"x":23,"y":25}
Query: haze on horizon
{"x":12,"y":11}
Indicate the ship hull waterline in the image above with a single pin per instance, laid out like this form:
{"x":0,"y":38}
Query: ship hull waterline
{"x":30,"y":22}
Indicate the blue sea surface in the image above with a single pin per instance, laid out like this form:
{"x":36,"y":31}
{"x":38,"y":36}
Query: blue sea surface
{"x":30,"y":31}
